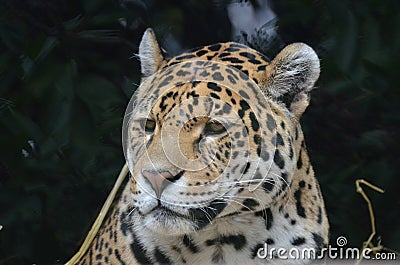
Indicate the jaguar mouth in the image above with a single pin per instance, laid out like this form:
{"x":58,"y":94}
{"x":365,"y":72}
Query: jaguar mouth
{"x":164,"y":212}
{"x":165,"y":221}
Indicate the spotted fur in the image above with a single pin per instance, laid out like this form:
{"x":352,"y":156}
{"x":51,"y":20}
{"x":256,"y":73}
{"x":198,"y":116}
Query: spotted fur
{"x":212,"y":216}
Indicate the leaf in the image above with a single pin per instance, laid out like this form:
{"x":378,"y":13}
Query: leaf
{"x":47,"y":47}
{"x":373,"y":140}
{"x":73,"y":23}
{"x":27,"y":65}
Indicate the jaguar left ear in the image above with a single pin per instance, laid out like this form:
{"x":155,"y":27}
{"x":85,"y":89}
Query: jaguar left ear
{"x":291,"y":76}
{"x":150,"y":54}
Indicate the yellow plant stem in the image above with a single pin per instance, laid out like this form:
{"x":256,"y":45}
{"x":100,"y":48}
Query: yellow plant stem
{"x":100,"y":218}
{"x":359,"y":190}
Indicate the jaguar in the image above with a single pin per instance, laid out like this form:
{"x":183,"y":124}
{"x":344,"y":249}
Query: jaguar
{"x":219,"y":170}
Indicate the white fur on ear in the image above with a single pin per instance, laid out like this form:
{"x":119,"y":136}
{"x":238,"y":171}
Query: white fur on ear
{"x":150,"y":54}
{"x":295,"y":69}
{"x":291,"y":75}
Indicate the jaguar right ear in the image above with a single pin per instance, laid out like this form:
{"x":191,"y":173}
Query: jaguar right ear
{"x":150,"y":54}
{"x":291,"y":76}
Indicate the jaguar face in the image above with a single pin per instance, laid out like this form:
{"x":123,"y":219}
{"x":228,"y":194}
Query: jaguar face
{"x":194,"y":146}
{"x":203,"y":140}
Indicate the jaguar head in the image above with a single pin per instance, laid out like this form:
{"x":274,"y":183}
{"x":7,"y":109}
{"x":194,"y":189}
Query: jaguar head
{"x":204,"y":140}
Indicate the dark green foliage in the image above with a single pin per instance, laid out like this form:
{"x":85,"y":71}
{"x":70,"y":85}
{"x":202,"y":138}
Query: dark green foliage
{"x":67,"y":71}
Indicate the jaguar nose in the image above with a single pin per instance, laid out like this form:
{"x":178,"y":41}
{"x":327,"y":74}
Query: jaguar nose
{"x":159,"y":180}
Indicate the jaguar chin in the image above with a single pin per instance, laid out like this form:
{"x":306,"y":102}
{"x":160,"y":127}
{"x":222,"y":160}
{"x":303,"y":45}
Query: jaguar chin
{"x":164,"y":221}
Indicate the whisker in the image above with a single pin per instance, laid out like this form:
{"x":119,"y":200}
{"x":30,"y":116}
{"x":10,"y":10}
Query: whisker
{"x":206,"y":215}
{"x":280,"y":177}
{"x":240,"y":181}
{"x":242,"y":197}
{"x":232,"y":200}
{"x":131,"y":211}
{"x":237,"y":184}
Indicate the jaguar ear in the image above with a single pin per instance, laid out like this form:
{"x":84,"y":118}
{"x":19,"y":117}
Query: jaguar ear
{"x":150,"y":54}
{"x":291,"y":76}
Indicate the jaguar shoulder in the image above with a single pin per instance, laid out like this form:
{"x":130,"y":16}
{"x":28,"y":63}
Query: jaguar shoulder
{"x":218,"y":162}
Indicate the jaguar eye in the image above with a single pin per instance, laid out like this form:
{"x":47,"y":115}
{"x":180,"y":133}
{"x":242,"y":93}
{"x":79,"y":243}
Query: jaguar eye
{"x":149,"y":125}
{"x":214,"y":127}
